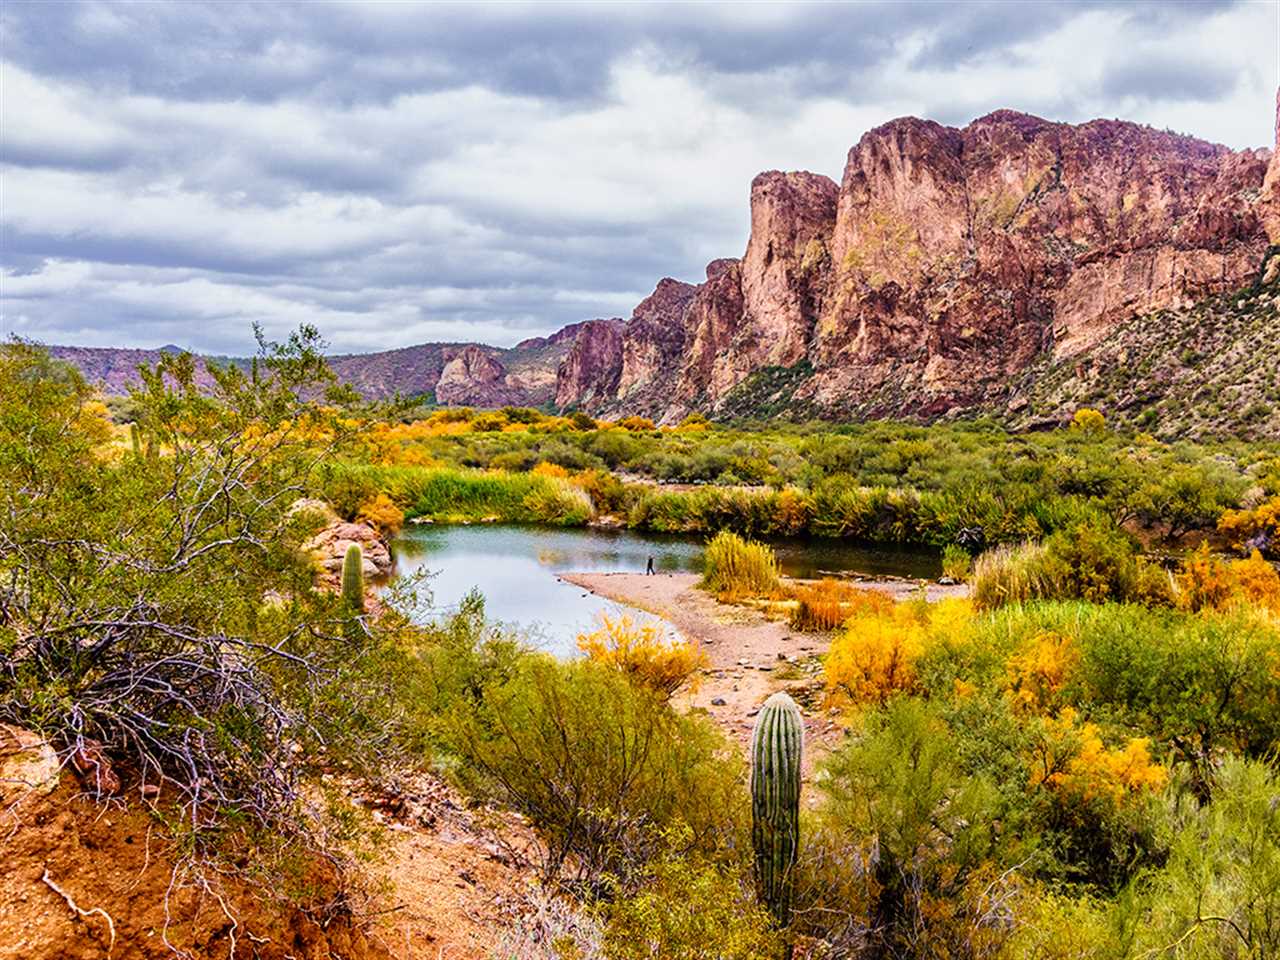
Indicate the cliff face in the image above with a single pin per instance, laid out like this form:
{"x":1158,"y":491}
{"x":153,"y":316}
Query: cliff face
{"x":945,"y":262}
{"x":1270,"y":202}
{"x":589,"y":372}
{"x":653,"y":345}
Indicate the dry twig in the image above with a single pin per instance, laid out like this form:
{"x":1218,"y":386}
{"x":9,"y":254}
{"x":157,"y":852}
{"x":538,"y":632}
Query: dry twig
{"x":80,"y":912}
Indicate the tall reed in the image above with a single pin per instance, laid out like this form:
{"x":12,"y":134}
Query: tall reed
{"x":734,"y":567}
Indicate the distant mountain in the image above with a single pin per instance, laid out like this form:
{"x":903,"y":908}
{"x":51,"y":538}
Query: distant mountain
{"x":460,"y":374}
{"x":1015,"y":267}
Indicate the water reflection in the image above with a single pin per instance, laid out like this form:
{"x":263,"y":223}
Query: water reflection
{"x":515,"y":567}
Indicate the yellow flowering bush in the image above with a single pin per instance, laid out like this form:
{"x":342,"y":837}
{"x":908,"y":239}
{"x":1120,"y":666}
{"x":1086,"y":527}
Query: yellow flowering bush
{"x":875,"y":657}
{"x":381,"y":513}
{"x":1257,"y":582}
{"x":1037,"y":674}
{"x":640,"y":651}
{"x":1088,"y":421}
{"x":553,"y":470}
{"x":1074,"y":760}
{"x":1241,"y":526}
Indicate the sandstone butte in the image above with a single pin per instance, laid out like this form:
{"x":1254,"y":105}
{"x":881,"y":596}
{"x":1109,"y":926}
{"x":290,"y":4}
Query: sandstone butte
{"x":944,"y":264}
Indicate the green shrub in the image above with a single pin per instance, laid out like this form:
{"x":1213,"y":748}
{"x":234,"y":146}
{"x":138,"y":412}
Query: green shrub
{"x":733,"y":567}
{"x":218,"y":647}
{"x":1199,"y":683}
{"x":600,"y":767}
{"x":1217,"y":894}
{"x":1090,"y":561}
{"x":930,"y":832}
{"x":558,"y":502}
{"x":690,"y":909}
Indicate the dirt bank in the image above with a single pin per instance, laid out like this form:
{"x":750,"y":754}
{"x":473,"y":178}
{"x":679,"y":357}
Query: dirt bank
{"x":750,"y":655}
{"x":103,"y":881}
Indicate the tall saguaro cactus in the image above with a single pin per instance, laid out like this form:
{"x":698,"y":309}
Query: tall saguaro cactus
{"x":777,"y":745}
{"x":353,"y":589}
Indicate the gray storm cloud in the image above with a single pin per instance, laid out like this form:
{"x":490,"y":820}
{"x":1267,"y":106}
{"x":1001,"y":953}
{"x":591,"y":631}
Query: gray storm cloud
{"x":396,"y":174}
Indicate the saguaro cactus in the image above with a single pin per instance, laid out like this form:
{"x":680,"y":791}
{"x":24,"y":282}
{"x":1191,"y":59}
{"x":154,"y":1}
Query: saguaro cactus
{"x":777,"y":745}
{"x":135,"y":439}
{"x":353,"y":589}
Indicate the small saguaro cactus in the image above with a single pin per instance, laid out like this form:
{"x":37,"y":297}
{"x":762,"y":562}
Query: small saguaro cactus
{"x":135,"y":438}
{"x":353,"y":588}
{"x":777,"y":744}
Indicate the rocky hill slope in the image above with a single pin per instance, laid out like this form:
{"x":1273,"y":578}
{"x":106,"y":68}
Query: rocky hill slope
{"x":1212,"y":369}
{"x":949,"y":271}
{"x":951,"y":264}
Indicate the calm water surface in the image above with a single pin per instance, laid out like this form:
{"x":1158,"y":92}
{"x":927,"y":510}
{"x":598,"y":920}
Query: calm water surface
{"x":516,"y":568}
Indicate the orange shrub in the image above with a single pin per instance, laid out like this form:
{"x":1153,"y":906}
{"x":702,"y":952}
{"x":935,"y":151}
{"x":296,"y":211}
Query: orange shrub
{"x":643,"y":654}
{"x":553,"y":470}
{"x":381,"y":513}
{"x":827,"y":604}
{"x":1257,"y":582}
{"x":1037,"y":674}
{"x":1209,"y":583}
{"x":1205,"y":582}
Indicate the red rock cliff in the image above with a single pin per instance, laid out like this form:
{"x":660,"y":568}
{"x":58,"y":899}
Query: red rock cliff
{"x":589,"y":372}
{"x":946,"y":261}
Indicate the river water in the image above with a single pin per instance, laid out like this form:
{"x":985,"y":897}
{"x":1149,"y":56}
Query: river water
{"x":516,"y":568}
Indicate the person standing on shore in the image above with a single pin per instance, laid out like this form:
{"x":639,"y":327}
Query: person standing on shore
{"x":648,"y":568}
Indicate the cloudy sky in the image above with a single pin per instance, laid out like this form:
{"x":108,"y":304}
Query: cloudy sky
{"x":396,"y":173}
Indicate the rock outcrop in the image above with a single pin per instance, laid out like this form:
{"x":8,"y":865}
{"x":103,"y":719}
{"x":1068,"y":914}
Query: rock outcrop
{"x":472,"y":374}
{"x":589,"y":372}
{"x":330,"y":545}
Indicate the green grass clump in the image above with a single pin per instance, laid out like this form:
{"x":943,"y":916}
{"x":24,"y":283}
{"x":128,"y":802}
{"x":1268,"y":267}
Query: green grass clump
{"x":956,"y":562}
{"x":455,"y":494}
{"x":734,"y":567}
{"x":1089,"y":561}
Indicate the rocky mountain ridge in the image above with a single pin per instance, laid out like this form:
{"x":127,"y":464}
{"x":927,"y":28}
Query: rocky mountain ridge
{"x":950,"y":261}
{"x":947,"y":266}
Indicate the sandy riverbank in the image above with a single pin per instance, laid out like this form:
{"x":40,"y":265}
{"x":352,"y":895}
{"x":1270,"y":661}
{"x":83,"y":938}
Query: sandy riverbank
{"x":750,"y":655}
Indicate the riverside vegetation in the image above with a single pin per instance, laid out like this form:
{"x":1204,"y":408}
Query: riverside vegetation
{"x":967,"y":485}
{"x":1078,"y":761}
